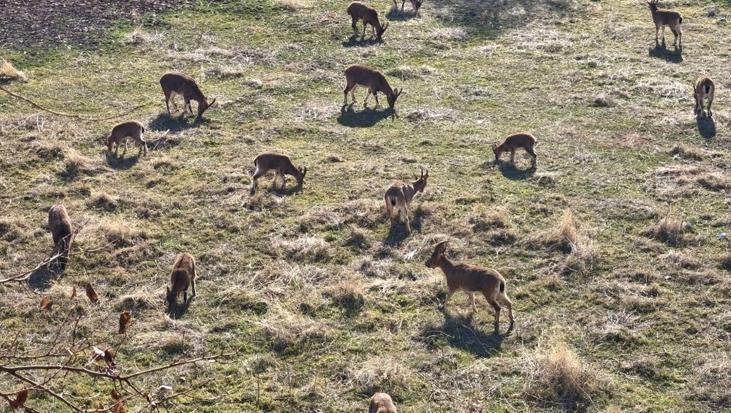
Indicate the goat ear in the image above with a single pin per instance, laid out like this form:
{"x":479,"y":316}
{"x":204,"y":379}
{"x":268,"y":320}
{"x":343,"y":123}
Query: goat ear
{"x":442,"y":246}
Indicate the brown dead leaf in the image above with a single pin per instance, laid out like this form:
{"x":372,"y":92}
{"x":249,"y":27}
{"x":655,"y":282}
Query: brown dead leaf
{"x":20,"y":399}
{"x":124,"y":321}
{"x":73,"y":292}
{"x":116,"y":395}
{"x":109,"y":356}
{"x":91,"y":294}
{"x":119,"y":407}
{"x":46,"y":303}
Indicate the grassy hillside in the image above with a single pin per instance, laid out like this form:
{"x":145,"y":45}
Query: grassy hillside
{"x":621,"y":304}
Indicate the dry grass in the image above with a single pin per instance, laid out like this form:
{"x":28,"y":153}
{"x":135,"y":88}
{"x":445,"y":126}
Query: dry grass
{"x":580,"y":249}
{"x":669,"y":230}
{"x":8,"y":72}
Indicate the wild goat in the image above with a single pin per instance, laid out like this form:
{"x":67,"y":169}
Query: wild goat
{"x":281,"y":165}
{"x":59,"y":224}
{"x":182,"y":277}
{"x":513,"y":142}
{"x":372,"y":79}
{"x":122,"y":133}
{"x":703,"y":89}
{"x":369,"y":15}
{"x":415,"y":4}
{"x":669,"y":18}
{"x":471,"y":279}
{"x":184,"y":85}
{"x":399,"y":195}
{"x":381,"y":403}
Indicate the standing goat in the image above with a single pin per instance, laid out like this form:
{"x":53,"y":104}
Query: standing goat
{"x":415,"y":4}
{"x":381,"y":403}
{"x":122,"y":133}
{"x":281,"y":165}
{"x":184,"y":85}
{"x":703,"y":89}
{"x":59,"y":224}
{"x":369,"y":15}
{"x":182,"y":277}
{"x":471,"y":279}
{"x":399,"y":195}
{"x":513,"y":142}
{"x":372,"y":79}
{"x":669,"y":18}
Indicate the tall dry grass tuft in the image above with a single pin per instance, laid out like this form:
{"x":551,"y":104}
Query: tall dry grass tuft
{"x":9,"y":72}
{"x":580,"y":249}
{"x":557,"y":375}
{"x":669,"y":230}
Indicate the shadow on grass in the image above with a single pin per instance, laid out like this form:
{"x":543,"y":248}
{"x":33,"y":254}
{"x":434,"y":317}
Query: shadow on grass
{"x":165,"y":122}
{"x":706,"y":127}
{"x":662,"y":52}
{"x":397,"y":14}
{"x":43,"y":278}
{"x":397,"y":232}
{"x":356,"y":41}
{"x":178,"y":310}
{"x":121,"y":164}
{"x":511,"y":172}
{"x":363,"y":119}
{"x":458,"y":331}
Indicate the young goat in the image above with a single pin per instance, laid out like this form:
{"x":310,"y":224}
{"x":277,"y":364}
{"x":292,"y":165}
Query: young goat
{"x":381,"y":403}
{"x":669,"y":18}
{"x":471,"y":279}
{"x":415,"y":4}
{"x":399,"y":195}
{"x":513,"y":142}
{"x":59,"y":224}
{"x":184,"y":85}
{"x":703,"y":89}
{"x":182,"y":277}
{"x":372,"y":79}
{"x":281,"y":165}
{"x":122,"y":133}
{"x":359,"y":11}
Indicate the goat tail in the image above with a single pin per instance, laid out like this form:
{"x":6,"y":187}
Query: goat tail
{"x":502,"y":286}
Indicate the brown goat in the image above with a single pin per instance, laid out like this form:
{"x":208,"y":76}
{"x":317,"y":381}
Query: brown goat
{"x":372,"y":79}
{"x":59,"y":224}
{"x":369,"y":15}
{"x":281,"y":165}
{"x":182,"y":277}
{"x":125,"y":131}
{"x":381,"y":403}
{"x":513,"y":142}
{"x":415,"y":4}
{"x":471,"y":279}
{"x":703,"y":89}
{"x":185,"y":86}
{"x":399,"y":195}
{"x":669,"y":18}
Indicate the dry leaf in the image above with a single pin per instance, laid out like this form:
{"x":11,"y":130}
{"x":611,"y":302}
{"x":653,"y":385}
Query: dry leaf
{"x":119,"y":407}
{"x":116,"y":395}
{"x":73,"y":292}
{"x":109,"y":355}
{"x":46,"y":303}
{"x":124,"y":320}
{"x":91,"y":294}
{"x":20,"y":399}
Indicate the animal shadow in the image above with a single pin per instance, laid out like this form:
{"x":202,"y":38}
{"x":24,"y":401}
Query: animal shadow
{"x":122,"y":163}
{"x":662,"y":52}
{"x":706,"y":127}
{"x":511,"y":172}
{"x":355,"y":41}
{"x":396,"y":14}
{"x":363,"y":119}
{"x":178,"y":310}
{"x":397,"y":232}
{"x":459,"y":331}
{"x":43,"y":278}
{"x":165,"y":122}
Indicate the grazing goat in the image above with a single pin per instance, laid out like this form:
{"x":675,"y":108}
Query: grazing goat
{"x":381,"y":403}
{"x":281,"y":165}
{"x":182,"y":277}
{"x":399,"y":195}
{"x":372,"y":79}
{"x":369,"y":15}
{"x":122,"y":133}
{"x":513,"y":142}
{"x":471,"y":279}
{"x":669,"y":18}
{"x":59,"y":224}
{"x":703,"y":89}
{"x":184,"y":85}
{"x":415,"y":4}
